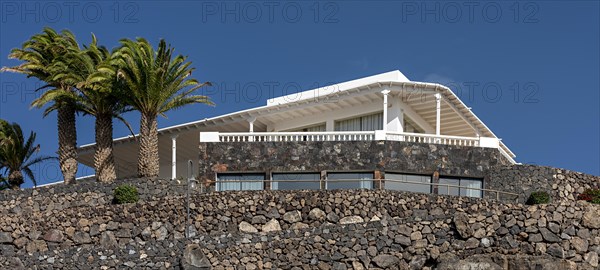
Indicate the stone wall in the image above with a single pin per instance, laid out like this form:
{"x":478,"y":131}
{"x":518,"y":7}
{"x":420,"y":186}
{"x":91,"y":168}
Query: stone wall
{"x":561,"y":184}
{"x":391,"y":156}
{"x":84,"y":193}
{"x":376,"y":156}
{"x":334,"y":229}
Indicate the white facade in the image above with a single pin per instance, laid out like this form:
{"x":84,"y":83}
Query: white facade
{"x":414,"y":111}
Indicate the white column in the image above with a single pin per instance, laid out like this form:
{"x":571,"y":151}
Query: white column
{"x":251,"y":123}
{"x":174,"y":157}
{"x":438,"y":108}
{"x":251,"y":127}
{"x":385,"y":108}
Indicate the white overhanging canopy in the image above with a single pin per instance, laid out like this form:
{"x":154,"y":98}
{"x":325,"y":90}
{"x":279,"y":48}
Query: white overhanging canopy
{"x":418,"y":100}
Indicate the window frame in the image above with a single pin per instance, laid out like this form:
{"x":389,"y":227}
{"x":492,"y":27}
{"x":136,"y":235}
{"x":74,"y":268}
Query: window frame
{"x":431,"y":184}
{"x":460,"y":188}
{"x":294,"y":172}
{"x":370,"y":180}
{"x":217,"y":181}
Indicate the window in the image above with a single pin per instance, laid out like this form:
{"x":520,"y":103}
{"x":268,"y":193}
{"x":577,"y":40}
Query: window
{"x":289,"y":181}
{"x":463,"y":189}
{"x":314,"y":128}
{"x":407,"y":185}
{"x":366,"y":183}
{"x":364,"y":123}
{"x":229,"y":181}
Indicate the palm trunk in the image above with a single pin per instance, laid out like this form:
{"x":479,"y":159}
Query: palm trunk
{"x":67,"y":143}
{"x":104,"y":161}
{"x":148,"y":154}
{"x":15,"y":179}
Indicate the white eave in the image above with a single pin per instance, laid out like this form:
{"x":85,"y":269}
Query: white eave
{"x":312,"y":102}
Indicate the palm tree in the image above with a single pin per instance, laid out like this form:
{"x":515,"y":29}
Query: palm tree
{"x":156,"y":82}
{"x":97,"y":93}
{"x":3,"y":141}
{"x":41,"y":56}
{"x":16,"y":154}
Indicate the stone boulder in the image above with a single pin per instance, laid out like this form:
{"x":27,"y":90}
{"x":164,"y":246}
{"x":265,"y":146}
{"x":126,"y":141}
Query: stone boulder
{"x":108,"y":240}
{"x":54,"y":235}
{"x":386,"y":260}
{"x":271,"y":226}
{"x":246,"y":227}
{"x":316,"y":214}
{"x":194,"y":259}
{"x":461,"y":223}
{"x":449,"y":261}
{"x":5,"y":238}
{"x":292,"y":216}
{"x":591,"y":217}
{"x":351,"y":220}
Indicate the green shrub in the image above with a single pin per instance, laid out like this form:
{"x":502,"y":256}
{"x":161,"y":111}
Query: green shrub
{"x":591,"y":195}
{"x":125,"y":194}
{"x":538,"y":197}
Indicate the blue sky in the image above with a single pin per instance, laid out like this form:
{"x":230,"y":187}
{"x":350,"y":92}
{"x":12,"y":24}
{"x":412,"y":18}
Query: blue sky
{"x":530,"y":70}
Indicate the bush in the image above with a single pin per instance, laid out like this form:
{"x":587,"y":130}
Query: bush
{"x":538,"y":197}
{"x":590,"y":195}
{"x":125,"y":194}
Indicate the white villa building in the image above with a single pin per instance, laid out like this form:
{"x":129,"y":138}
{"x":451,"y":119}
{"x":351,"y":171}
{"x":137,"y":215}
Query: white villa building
{"x":383,"y":107}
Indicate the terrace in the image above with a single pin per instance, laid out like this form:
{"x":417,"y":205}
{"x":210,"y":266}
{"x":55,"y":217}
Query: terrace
{"x":349,"y":136}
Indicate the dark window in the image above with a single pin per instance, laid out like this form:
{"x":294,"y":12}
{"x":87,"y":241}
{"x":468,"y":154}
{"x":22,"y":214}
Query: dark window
{"x":349,"y":180}
{"x":289,"y":181}
{"x":461,"y":186}
{"x":235,"y":181}
{"x":408,"y":182}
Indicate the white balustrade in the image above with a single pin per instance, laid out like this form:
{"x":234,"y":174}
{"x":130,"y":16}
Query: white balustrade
{"x":294,"y":136}
{"x":352,"y":136}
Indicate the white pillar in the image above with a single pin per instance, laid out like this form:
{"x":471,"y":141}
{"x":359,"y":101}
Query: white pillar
{"x":174,"y":157}
{"x":251,"y":127}
{"x":385,"y":108}
{"x":251,"y":124}
{"x":438,"y":108}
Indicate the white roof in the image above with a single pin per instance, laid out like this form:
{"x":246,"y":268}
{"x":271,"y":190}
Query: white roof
{"x":392,"y":76}
{"x":459,"y":120}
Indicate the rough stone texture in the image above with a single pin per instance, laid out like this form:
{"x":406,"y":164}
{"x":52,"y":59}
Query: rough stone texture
{"x":247,"y":227}
{"x":417,"y":229}
{"x":84,"y":193}
{"x":386,"y":260}
{"x":591,"y":218}
{"x":461,"y":223}
{"x":350,"y":220}
{"x":54,"y":235}
{"x":194,"y":258}
{"x":408,"y":157}
{"x":561,"y":184}
{"x":271,"y":226}
{"x":419,"y":158}
{"x":292,"y":216}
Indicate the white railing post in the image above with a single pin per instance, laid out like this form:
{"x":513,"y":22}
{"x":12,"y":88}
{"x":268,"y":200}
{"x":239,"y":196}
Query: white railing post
{"x":438,"y":109}
{"x":210,"y":137}
{"x":385,"y":108}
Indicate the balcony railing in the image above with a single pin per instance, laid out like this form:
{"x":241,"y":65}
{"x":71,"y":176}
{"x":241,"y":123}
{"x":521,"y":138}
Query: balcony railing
{"x":381,"y":185}
{"x":377,"y":135}
{"x":297,"y":136}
